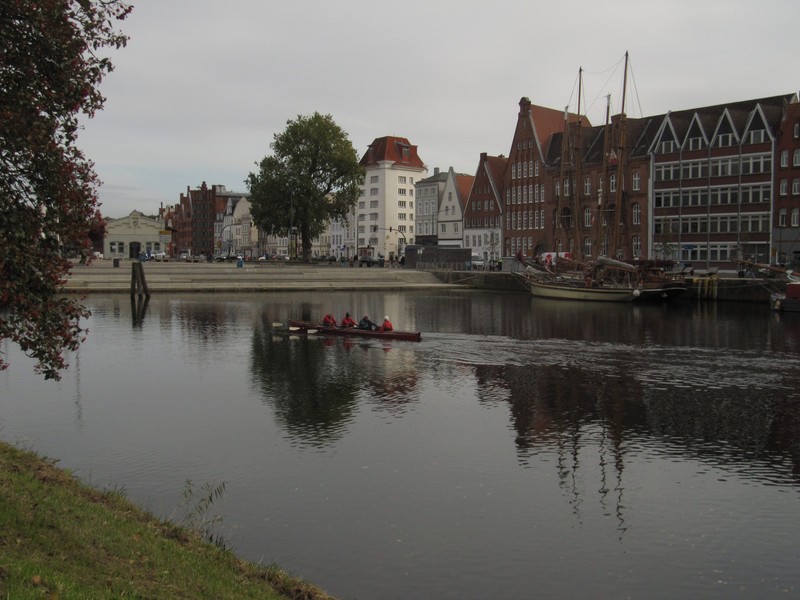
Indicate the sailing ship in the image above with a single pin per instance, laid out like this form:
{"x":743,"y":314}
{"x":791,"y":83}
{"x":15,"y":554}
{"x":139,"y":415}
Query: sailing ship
{"x":576,"y":275}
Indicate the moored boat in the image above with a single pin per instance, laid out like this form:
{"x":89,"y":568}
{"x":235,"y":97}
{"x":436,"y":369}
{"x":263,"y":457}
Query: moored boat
{"x":304,"y":326}
{"x":788,"y":301}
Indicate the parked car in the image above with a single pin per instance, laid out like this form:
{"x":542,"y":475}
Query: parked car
{"x":371,"y":261}
{"x":158,"y":256}
{"x":477,"y":262}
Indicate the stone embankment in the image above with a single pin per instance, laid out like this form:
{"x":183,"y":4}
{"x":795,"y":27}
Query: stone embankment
{"x":101,"y":276}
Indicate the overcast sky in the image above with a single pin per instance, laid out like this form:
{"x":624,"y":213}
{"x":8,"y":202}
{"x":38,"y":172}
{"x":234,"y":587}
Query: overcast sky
{"x":204,"y":85}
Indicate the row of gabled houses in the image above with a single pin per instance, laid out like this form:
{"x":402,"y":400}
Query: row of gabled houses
{"x":707,"y":186}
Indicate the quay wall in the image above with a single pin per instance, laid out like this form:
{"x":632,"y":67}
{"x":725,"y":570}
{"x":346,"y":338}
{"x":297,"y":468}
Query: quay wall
{"x":102,"y":277}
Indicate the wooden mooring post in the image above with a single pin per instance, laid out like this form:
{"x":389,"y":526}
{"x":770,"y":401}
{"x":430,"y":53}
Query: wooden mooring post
{"x":138,"y":281}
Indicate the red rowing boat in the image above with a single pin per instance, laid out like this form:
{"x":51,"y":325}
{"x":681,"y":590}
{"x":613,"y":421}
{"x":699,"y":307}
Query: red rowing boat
{"x":305,"y":327}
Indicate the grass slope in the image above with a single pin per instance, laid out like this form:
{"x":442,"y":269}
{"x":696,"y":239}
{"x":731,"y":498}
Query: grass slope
{"x":62,"y":539}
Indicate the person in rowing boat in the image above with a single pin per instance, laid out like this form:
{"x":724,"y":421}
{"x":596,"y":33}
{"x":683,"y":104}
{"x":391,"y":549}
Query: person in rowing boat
{"x":328,"y":320}
{"x":387,"y":325}
{"x":348,"y":321}
{"x":365,"y":323}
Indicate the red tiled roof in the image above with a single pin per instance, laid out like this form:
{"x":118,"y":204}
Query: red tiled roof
{"x":396,"y":149}
{"x":464,"y":186}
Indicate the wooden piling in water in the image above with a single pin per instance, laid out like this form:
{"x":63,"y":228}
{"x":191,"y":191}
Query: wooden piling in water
{"x":138,"y":281}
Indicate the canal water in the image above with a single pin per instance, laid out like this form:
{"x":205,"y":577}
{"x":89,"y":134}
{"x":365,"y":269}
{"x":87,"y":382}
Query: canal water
{"x":524,"y":448}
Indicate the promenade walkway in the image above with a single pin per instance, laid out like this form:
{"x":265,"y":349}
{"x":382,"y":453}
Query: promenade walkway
{"x":102,"y":277}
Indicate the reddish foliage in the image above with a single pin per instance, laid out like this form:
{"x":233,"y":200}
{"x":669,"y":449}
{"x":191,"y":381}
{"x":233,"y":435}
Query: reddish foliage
{"x":49,"y":76}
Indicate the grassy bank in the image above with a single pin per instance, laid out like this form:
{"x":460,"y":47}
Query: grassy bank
{"x":62,"y":539}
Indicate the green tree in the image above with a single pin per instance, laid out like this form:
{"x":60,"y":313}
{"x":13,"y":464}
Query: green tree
{"x":50,"y":71}
{"x":312,"y":177}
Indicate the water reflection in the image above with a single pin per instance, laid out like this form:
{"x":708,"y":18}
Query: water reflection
{"x":517,"y":433}
{"x":312,"y":390}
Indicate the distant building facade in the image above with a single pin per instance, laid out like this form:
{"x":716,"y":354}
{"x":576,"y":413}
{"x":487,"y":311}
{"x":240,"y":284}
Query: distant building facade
{"x":136,"y":234}
{"x":384,"y":217}
{"x":483,"y":214}
{"x":455,"y":193}
{"x":717,"y":179}
{"x":429,"y":197}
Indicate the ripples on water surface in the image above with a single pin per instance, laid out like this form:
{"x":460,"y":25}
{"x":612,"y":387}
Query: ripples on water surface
{"x":523,"y":448}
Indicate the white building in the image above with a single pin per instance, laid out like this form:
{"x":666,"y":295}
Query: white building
{"x":429,"y":197}
{"x":133,"y":235}
{"x":385,"y":211}
{"x":451,"y":209}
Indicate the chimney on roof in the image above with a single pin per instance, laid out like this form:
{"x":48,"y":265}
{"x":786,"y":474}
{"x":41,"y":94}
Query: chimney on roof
{"x":435,"y":171}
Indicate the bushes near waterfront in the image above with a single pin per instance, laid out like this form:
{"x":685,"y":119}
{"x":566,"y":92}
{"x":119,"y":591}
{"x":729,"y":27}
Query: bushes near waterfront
{"x":60,"y":538}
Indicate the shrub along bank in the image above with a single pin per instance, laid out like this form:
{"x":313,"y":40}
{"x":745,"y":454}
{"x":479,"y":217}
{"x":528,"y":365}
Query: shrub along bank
{"x":60,"y":538}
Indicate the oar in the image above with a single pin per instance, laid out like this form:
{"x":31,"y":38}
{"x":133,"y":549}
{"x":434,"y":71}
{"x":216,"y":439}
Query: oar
{"x":302,"y":329}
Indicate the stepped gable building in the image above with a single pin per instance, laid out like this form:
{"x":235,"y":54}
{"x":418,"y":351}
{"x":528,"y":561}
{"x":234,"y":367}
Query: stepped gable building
{"x":429,"y":197}
{"x":525,"y":227}
{"x":483,"y":214}
{"x":385,"y":210}
{"x":714,"y":174}
{"x":598,"y":194}
{"x":199,"y":219}
{"x":707,"y":186}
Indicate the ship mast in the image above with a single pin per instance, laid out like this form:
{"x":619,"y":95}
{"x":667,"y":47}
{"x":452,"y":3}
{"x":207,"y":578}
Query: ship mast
{"x":600,"y":218}
{"x":619,"y":209}
{"x":576,"y":179}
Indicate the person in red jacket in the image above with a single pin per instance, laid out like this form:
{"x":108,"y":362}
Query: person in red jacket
{"x":387,"y":325}
{"x":328,"y":320}
{"x":348,"y":321}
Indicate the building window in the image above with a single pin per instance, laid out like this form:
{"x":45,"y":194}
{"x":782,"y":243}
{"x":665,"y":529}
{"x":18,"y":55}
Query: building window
{"x":401,"y":179}
{"x":637,"y":181}
{"x":637,"y":246}
{"x":401,"y":191}
{"x":373,"y":191}
{"x":795,"y":187}
{"x":612,"y":182}
{"x":782,"y":218}
{"x":724,"y":140}
{"x":637,"y":214}
{"x":536,"y":164}
{"x":373,"y":179}
{"x":784,"y":188}
{"x":785,"y":158}
{"x":795,"y":217}
{"x":796,"y":130}
{"x":695,"y":143}
{"x":796,"y":158}
{"x":666,"y":147}
{"x":514,"y":171}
